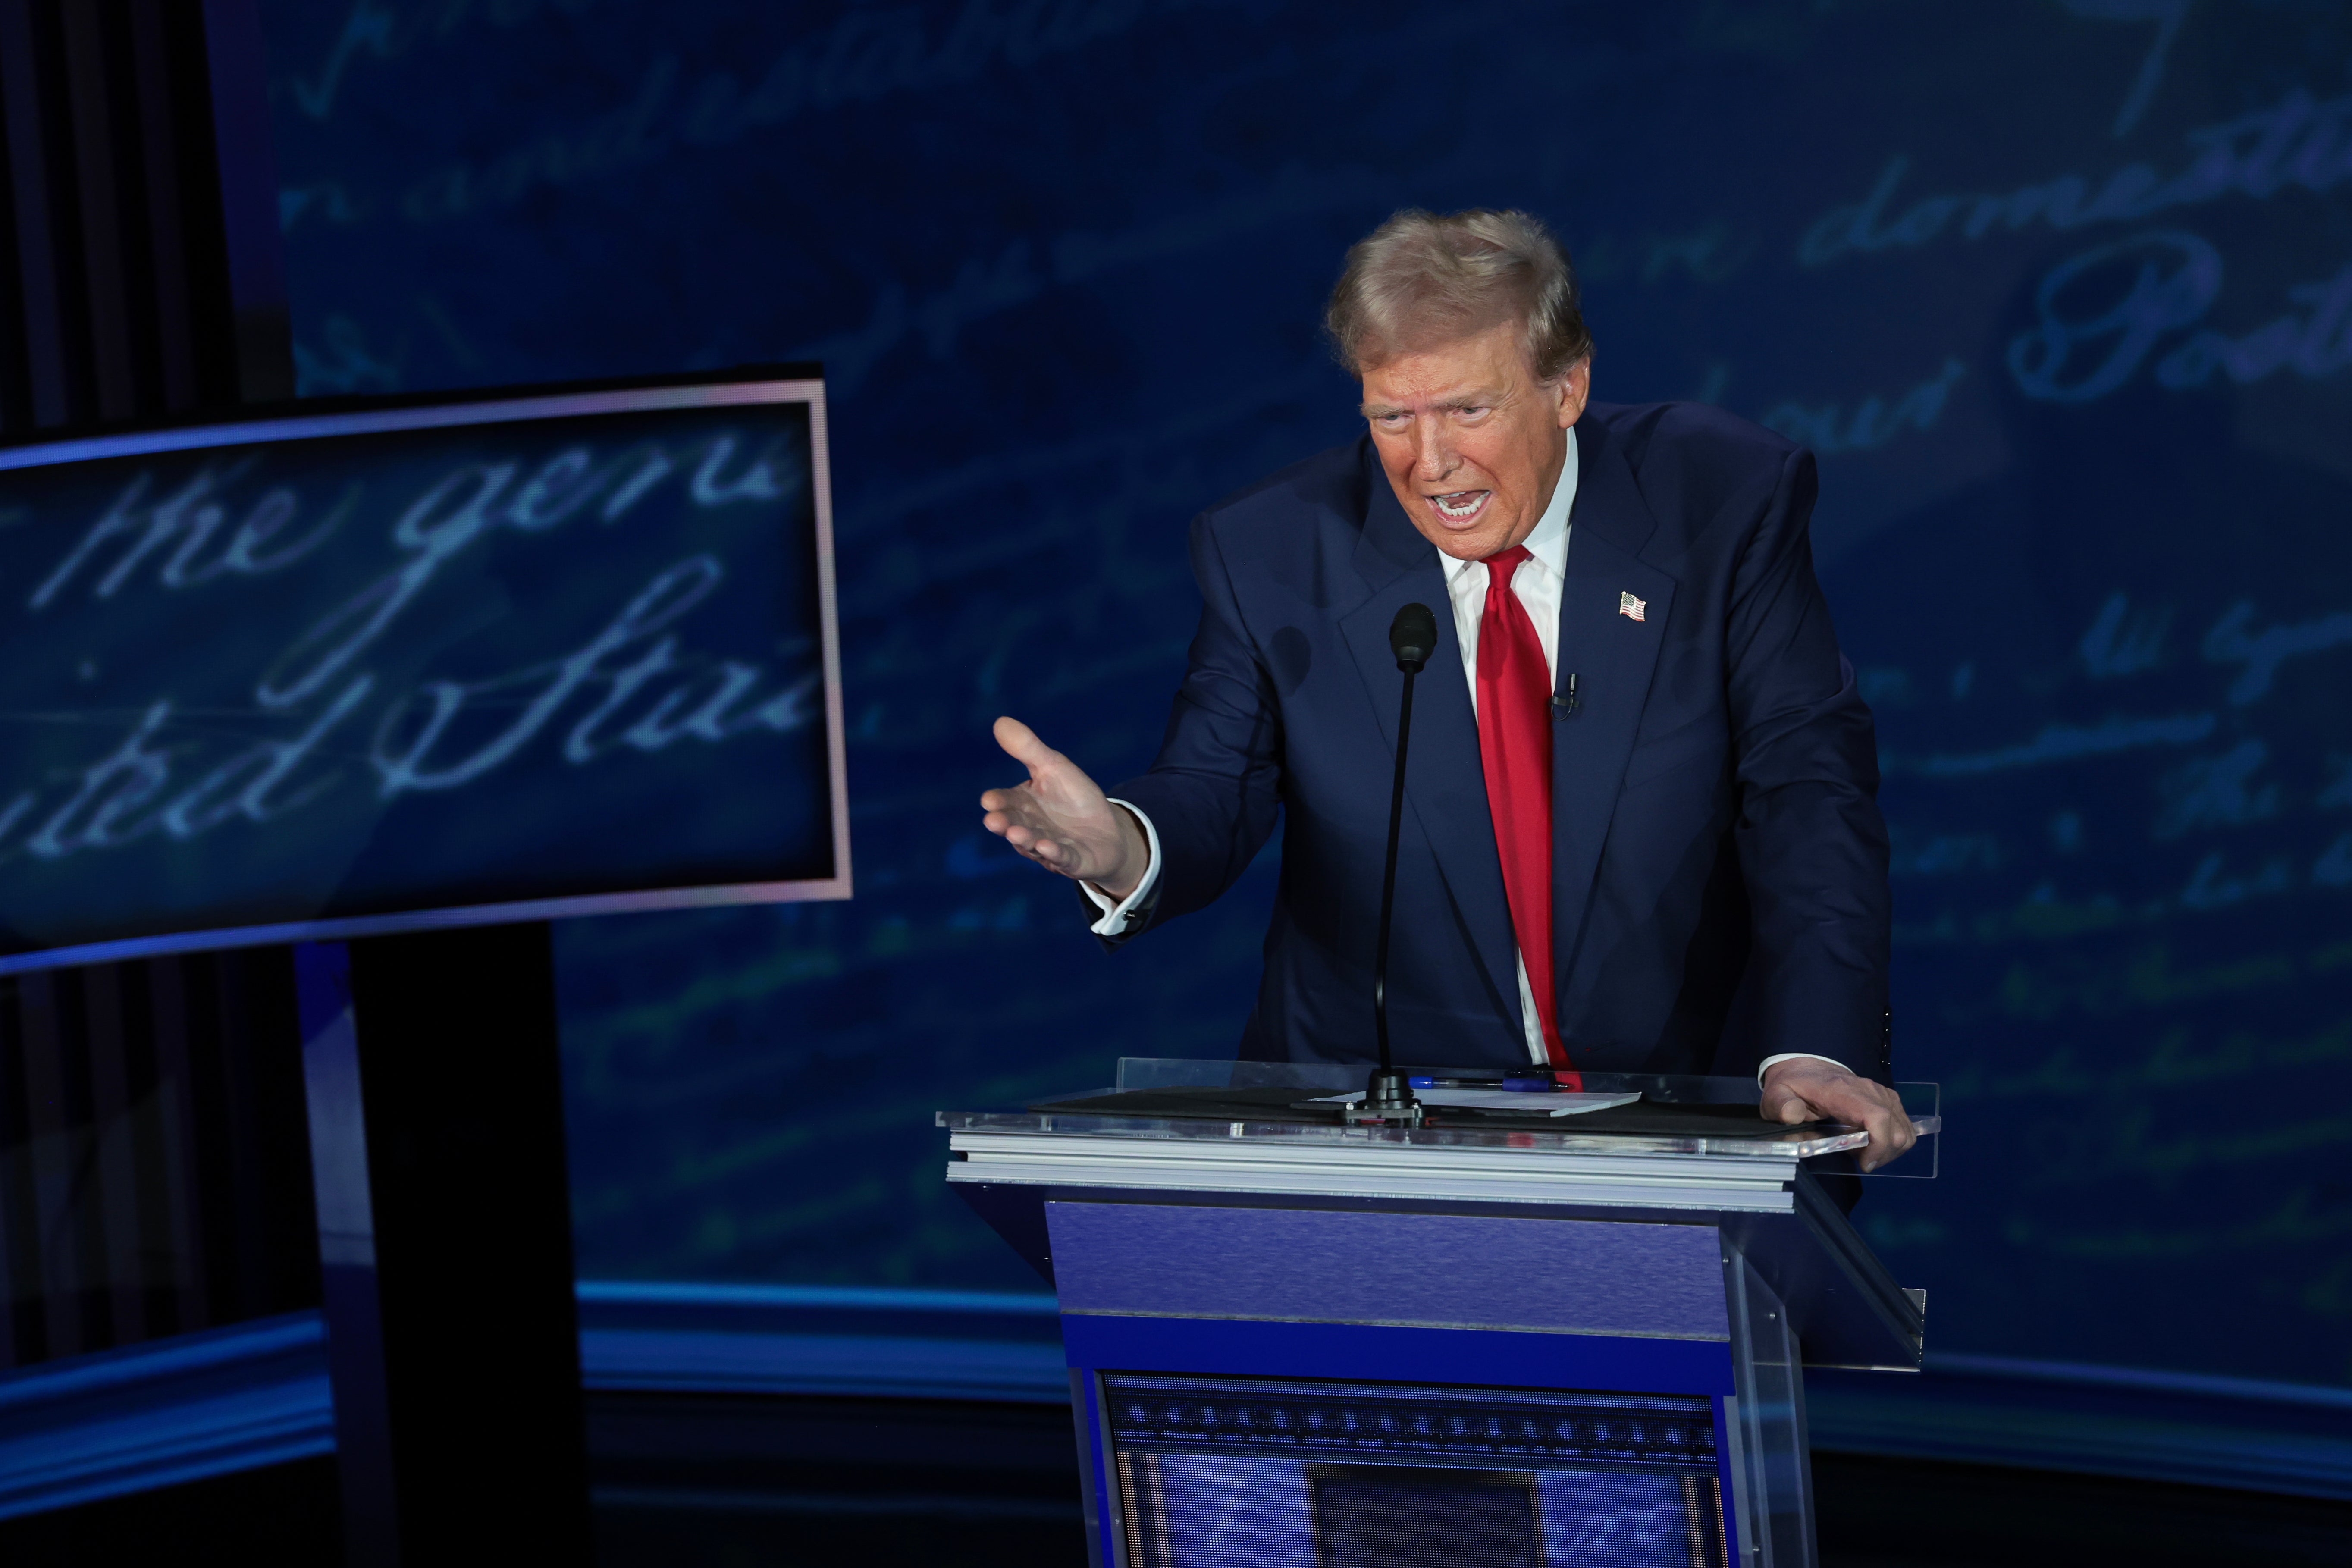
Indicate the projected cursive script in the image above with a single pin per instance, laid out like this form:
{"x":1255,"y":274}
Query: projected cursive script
{"x":277,"y":644}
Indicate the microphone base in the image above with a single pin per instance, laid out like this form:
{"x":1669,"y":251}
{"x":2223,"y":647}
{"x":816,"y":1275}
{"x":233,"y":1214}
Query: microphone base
{"x":1388,"y":1099}
{"x":1357,"y":1116}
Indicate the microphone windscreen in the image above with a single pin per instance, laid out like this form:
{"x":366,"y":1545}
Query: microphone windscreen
{"x":1412,"y":637}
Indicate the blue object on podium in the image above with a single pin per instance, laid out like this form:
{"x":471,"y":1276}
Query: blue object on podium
{"x":1494,"y":1340}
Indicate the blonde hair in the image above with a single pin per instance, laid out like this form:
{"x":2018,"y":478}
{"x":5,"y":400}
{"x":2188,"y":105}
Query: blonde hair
{"x":1421,"y":280}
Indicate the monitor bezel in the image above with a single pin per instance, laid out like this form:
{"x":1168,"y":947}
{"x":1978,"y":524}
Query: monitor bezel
{"x":735,"y":388}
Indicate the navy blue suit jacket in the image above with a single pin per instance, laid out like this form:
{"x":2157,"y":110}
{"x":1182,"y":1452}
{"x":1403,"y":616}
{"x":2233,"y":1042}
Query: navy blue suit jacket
{"x":1718,"y":862}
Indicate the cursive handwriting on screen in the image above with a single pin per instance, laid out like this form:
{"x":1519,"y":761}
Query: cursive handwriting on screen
{"x":228,"y":640}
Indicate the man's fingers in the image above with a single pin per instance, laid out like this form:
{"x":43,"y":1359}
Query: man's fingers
{"x":1881,"y":1132}
{"x":1006,"y":806}
{"x":1030,"y":843}
{"x":1006,"y":813}
{"x":1805,"y":1094}
{"x":1891,"y":1134}
{"x":1897,"y":1137}
{"x":1022,"y":744}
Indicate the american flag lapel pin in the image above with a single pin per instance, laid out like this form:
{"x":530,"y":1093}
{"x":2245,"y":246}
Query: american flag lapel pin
{"x":1632,"y":608}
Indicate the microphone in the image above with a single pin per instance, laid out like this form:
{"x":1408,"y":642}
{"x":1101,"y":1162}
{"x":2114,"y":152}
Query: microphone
{"x":1413,"y":638}
{"x":1388,"y":1097}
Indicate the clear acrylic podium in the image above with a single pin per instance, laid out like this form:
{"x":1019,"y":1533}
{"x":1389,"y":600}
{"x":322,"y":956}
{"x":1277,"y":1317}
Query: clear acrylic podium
{"x":1488,"y":1340}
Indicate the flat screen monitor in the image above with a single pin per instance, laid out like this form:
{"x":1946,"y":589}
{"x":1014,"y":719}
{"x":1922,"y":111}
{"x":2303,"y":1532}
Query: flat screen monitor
{"x":493,"y":658}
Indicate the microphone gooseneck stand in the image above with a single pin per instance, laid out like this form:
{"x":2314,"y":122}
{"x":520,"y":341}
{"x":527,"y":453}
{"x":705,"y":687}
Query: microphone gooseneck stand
{"x":1388,"y":1097}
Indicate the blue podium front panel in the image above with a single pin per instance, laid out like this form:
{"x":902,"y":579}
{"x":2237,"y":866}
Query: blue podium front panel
{"x":1544,"y":1275}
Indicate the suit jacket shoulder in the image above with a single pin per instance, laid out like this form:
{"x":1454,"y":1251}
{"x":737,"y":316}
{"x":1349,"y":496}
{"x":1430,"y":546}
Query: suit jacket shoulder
{"x":1329,"y":489}
{"x":1675,"y":435}
{"x":1700,"y":471}
{"x":1332,"y":478}
{"x":1293,"y":543}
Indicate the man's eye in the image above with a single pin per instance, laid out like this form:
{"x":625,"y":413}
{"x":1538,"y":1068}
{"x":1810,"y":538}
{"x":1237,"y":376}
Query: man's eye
{"x":1389,"y":421}
{"x":1475,"y":411}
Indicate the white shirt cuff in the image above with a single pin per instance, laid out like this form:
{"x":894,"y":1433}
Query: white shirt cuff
{"x":1116,"y":914}
{"x":1796,"y":1056}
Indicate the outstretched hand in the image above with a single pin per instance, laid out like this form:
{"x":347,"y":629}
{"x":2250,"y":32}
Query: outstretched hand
{"x":1060,"y":818}
{"x":1807,"y":1088}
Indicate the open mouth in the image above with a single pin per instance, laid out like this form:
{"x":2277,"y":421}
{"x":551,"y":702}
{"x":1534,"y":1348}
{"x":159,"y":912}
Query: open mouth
{"x":1461,"y":506}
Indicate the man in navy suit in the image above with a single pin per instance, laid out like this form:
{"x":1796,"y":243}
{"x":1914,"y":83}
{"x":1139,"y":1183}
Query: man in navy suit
{"x":1641,"y":834}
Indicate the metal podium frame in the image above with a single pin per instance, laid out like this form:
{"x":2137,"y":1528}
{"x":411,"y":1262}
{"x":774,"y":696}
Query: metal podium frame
{"x":1265,"y":1248}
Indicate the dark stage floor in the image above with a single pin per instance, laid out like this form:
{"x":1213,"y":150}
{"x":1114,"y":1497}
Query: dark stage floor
{"x":742,"y":1483}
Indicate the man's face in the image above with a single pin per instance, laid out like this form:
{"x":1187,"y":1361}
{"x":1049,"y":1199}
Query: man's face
{"x":1471,"y":440}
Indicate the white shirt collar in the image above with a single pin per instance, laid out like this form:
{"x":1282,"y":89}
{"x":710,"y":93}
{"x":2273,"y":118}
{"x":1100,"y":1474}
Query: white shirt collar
{"x":1549,"y":542}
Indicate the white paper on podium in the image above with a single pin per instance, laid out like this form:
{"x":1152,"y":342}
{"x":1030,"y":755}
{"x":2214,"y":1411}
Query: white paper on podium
{"x":1516,"y":1102}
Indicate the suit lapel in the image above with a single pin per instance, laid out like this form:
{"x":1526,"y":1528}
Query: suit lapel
{"x":1446,"y":786}
{"x":1612,"y":655}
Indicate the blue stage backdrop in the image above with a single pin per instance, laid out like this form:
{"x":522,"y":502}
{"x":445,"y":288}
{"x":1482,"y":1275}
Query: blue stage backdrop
{"x":2060,"y":290}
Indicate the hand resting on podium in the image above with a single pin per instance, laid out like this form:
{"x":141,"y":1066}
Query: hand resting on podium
{"x":1813,"y":1088}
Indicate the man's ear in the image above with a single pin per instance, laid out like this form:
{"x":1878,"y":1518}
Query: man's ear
{"x":1575,"y":388}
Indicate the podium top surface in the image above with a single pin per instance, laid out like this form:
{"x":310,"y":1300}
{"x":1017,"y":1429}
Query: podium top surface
{"x":1276,"y":1103}
{"x":1252,"y":1135}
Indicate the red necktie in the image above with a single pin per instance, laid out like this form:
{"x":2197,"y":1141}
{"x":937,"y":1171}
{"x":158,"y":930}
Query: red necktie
{"x":1514,"y":744}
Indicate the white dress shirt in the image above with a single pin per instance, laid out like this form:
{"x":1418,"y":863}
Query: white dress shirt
{"x":1538,"y":583}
